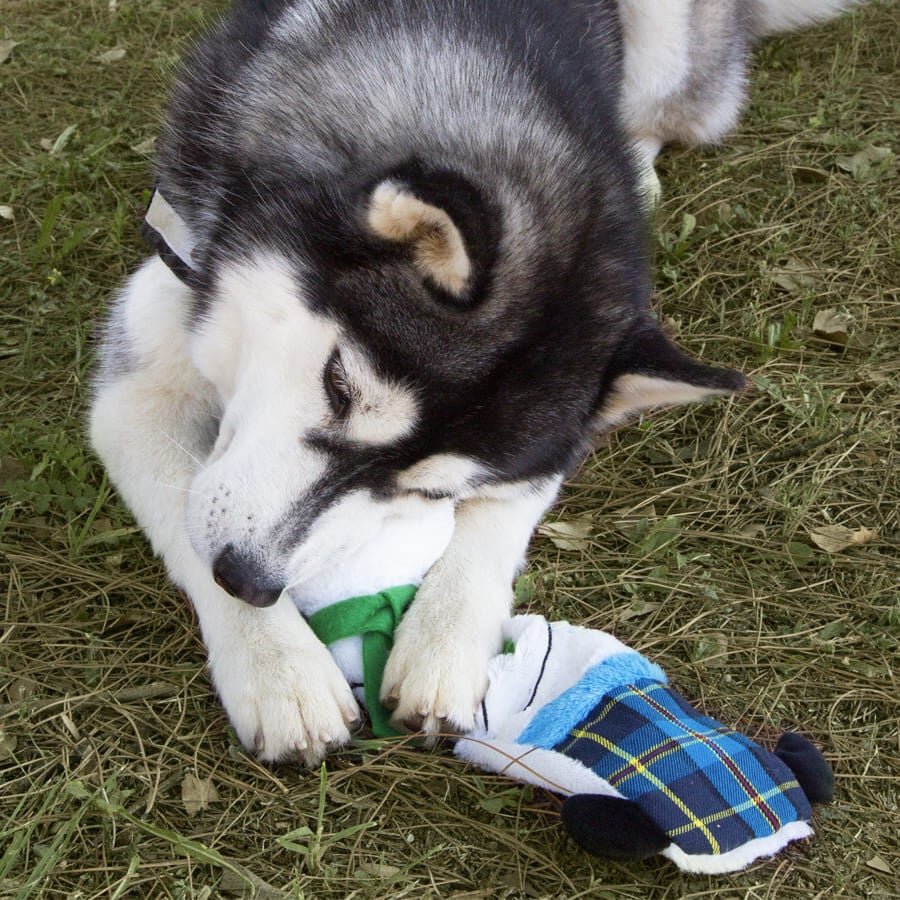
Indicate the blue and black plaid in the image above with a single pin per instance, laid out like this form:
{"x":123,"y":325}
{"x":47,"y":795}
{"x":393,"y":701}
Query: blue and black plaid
{"x":708,"y":787}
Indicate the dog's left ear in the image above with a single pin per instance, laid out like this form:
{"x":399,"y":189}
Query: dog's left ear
{"x":445,"y":224}
{"x":650,"y":371}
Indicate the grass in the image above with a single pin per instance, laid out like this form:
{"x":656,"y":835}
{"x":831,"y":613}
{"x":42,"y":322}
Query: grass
{"x":697,"y":530}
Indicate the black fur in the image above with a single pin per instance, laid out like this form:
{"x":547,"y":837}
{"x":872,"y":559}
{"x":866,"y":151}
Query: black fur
{"x":263,"y":150}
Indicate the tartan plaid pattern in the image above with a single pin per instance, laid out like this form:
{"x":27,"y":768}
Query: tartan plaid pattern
{"x":708,"y":787}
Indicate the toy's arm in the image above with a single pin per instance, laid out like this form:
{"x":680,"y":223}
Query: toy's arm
{"x":612,"y":827}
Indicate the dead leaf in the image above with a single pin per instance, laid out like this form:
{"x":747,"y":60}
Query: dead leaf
{"x":712,"y":649}
{"x":6,"y":49}
{"x":833,"y":326}
{"x":638,"y":608}
{"x":21,"y":690}
{"x":753,"y":531}
{"x":861,"y":164}
{"x":835,"y":538}
{"x":197,"y":793}
{"x":794,"y":276}
{"x":379,"y":870}
{"x":6,"y":212}
{"x":54,"y":147}
{"x":879,"y":865}
{"x":634,"y":522}
{"x":146,"y":147}
{"x":809,"y":174}
{"x":571,"y":535}
{"x":8,"y":744}
{"x":111,"y":56}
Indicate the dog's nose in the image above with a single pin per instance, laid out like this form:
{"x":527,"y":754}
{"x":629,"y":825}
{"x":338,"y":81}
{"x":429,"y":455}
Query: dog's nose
{"x":242,"y":578}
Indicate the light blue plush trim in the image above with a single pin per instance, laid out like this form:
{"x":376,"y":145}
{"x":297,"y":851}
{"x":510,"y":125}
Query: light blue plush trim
{"x":554,"y":721}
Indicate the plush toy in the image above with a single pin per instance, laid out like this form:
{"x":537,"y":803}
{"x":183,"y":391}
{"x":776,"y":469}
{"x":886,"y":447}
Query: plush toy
{"x":574,"y":710}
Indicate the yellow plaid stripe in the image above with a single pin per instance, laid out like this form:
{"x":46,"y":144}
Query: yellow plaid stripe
{"x":659,"y":785}
{"x":677,"y":743}
{"x":754,"y":797}
{"x":725,"y":813}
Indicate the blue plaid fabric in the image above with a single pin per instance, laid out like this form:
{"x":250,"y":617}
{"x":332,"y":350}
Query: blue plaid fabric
{"x":708,"y":787}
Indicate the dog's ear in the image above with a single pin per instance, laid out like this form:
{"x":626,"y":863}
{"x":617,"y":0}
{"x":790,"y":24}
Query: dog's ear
{"x":445,"y":224}
{"x":650,"y":371}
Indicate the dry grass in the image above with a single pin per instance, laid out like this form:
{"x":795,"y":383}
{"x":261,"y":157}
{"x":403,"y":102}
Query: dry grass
{"x":700,"y":550}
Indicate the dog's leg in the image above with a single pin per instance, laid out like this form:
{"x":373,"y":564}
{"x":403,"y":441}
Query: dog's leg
{"x":152,"y":422}
{"x":437,"y":670}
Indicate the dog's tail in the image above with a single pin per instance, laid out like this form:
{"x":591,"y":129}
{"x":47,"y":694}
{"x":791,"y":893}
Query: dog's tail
{"x":774,"y":16}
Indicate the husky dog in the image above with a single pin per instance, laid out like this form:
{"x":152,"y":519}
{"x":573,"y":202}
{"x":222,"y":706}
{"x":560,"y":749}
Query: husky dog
{"x":401,"y":281}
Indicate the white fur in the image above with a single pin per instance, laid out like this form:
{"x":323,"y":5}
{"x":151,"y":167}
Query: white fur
{"x":774,"y":16}
{"x":740,"y":857}
{"x":442,"y":472}
{"x":543,"y":768}
{"x":265,"y":352}
{"x":258,"y":367}
{"x":281,"y":689}
{"x":668,"y":63}
{"x":437,"y":670}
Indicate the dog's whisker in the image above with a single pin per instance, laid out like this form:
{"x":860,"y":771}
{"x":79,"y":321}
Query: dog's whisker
{"x":177,"y":487}
{"x":182,"y":448}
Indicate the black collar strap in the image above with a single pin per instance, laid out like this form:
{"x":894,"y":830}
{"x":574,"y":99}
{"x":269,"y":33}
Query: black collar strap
{"x":170,"y":236}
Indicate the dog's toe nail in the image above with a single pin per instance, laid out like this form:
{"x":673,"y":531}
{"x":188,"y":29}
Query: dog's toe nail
{"x":392,"y":701}
{"x":259,"y":742}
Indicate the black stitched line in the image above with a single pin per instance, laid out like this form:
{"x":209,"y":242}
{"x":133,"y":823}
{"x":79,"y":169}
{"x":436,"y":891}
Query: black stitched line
{"x":543,"y":666}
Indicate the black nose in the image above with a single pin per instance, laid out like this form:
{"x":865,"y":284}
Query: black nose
{"x":241,"y":577}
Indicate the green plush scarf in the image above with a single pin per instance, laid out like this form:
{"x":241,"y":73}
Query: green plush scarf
{"x":375,"y":617}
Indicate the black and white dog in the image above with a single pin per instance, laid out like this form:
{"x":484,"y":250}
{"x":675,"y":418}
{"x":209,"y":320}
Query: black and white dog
{"x":401,"y":282}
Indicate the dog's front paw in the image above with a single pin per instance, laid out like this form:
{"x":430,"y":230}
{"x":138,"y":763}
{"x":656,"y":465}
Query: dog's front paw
{"x":436,"y":675}
{"x":286,"y":700}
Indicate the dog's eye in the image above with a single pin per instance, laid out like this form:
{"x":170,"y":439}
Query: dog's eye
{"x":336,"y":386}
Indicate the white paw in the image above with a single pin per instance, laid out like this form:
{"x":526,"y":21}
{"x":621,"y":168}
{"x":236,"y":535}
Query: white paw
{"x":285,"y":698}
{"x":436,"y":674}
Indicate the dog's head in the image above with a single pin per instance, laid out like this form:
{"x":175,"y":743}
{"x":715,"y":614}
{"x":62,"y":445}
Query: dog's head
{"x":402,"y":344}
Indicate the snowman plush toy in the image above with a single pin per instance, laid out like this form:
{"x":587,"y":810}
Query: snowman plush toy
{"x":574,"y":710}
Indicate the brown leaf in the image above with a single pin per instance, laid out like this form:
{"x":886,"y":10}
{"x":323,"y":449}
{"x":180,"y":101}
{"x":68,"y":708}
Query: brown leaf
{"x":833,"y":326}
{"x":861,"y":164}
{"x":197,"y":793}
{"x":809,"y":173}
{"x":571,"y":535}
{"x":879,"y":865}
{"x":145,"y":147}
{"x":8,"y":744}
{"x":794,"y":276}
{"x":6,"y":49}
{"x":111,"y":56}
{"x":836,"y":538}
{"x":379,"y":870}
